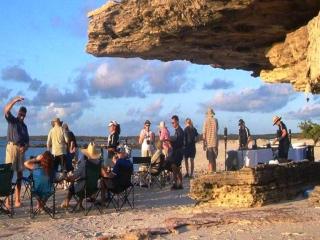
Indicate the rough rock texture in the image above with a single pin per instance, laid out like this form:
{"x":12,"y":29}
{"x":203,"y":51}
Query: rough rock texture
{"x":258,"y":186}
{"x":255,"y":35}
{"x":314,"y":197}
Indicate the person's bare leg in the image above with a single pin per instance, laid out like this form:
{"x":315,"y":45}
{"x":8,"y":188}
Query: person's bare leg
{"x":174,"y":172}
{"x":209,"y":167}
{"x":191,"y":167}
{"x":179,"y":177}
{"x":18,"y":190}
{"x":214,"y":165}
{"x":187,"y":166}
{"x":66,"y":201}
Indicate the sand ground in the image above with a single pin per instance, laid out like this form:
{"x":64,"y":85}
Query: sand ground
{"x":162,"y":208}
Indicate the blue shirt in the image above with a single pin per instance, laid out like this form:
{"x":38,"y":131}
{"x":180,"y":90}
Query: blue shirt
{"x":121,"y":165}
{"x":17,"y":130}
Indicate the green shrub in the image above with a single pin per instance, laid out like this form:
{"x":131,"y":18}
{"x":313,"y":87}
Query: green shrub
{"x":310,"y":130}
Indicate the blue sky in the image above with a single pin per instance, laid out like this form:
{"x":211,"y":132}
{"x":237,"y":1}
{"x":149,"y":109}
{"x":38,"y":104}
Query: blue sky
{"x":43,"y":58}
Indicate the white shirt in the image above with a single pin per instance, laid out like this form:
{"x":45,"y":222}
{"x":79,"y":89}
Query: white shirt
{"x":147,"y":138}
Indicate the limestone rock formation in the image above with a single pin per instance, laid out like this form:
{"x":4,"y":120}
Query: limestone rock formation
{"x":254,"y":35}
{"x":258,"y":186}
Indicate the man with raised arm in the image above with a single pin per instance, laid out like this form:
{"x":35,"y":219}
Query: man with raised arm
{"x":18,"y":142}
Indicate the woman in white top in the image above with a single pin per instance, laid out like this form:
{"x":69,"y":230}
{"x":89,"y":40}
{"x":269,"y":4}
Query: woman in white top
{"x":146,"y":139}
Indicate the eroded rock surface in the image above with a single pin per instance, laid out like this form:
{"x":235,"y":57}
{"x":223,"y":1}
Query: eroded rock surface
{"x":251,"y":187}
{"x":280,"y":37}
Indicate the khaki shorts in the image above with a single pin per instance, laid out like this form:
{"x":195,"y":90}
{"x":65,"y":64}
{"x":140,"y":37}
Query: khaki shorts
{"x":146,"y":153}
{"x":14,"y":156}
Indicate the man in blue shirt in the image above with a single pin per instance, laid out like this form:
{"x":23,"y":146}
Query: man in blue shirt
{"x":18,"y":142}
{"x":120,"y":176}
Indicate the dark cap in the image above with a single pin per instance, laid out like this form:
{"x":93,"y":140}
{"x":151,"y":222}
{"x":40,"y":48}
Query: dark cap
{"x":147,"y":122}
{"x":241,"y":122}
{"x":23,"y":109}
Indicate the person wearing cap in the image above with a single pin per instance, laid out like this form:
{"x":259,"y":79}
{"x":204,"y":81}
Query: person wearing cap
{"x":244,"y":135}
{"x":146,"y":139}
{"x":115,"y":178}
{"x":77,"y":177}
{"x":113,"y":141}
{"x":57,"y":142}
{"x":18,"y":143}
{"x":210,"y":139}
{"x":164,"y":137}
{"x":282,"y":138}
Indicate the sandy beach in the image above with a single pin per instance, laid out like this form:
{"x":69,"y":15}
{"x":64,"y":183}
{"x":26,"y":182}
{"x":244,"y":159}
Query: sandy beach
{"x":174,"y":215}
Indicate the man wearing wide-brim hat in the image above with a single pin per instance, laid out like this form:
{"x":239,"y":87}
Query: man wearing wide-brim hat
{"x":282,"y":138}
{"x":92,"y":154}
{"x":57,"y":144}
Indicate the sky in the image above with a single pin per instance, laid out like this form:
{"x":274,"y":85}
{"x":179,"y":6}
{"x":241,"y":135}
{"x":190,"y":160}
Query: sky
{"x":43,"y":58}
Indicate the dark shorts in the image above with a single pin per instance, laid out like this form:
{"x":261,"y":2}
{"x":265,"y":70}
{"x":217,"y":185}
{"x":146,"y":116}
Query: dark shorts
{"x":175,"y":158}
{"x":212,"y":154}
{"x":190,"y":151}
{"x":62,"y":161}
{"x":71,"y":188}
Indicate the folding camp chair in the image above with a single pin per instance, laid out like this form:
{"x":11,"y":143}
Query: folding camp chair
{"x":157,"y":172}
{"x":6,"y":188}
{"x":26,"y":182}
{"x":90,"y":188}
{"x":120,"y":194}
{"x":142,"y":177}
{"x":42,"y":189}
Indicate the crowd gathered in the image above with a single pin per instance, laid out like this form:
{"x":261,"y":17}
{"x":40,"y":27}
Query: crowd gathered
{"x":64,"y":161}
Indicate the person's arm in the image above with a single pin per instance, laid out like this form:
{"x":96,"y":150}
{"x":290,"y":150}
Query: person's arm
{"x":141,"y":137}
{"x":77,"y":172}
{"x":204,"y":142}
{"x":29,"y":164}
{"x":152,"y":137}
{"x":49,"y":141}
{"x":9,"y":106}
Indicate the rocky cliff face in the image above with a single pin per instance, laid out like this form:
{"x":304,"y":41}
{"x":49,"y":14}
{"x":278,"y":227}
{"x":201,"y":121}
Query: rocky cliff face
{"x":276,"y":39}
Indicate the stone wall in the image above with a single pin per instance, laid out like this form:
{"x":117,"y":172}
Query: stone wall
{"x":258,"y":186}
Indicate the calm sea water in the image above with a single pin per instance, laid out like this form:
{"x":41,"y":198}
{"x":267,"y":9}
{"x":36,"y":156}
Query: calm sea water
{"x":34,"y":151}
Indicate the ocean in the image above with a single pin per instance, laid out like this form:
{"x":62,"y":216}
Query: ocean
{"x":34,"y":151}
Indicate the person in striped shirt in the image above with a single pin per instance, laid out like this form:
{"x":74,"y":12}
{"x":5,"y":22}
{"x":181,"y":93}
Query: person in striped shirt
{"x":210,"y":139}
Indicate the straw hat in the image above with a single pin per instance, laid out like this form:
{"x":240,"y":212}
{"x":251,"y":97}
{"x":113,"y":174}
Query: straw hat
{"x":210,"y":112}
{"x":275,"y":119}
{"x":91,"y":152}
{"x":56,"y":120}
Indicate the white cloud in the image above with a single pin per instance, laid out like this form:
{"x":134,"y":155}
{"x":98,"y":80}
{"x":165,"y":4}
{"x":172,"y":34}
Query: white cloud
{"x":267,"y":98}
{"x":308,"y":112}
{"x":134,"y":78}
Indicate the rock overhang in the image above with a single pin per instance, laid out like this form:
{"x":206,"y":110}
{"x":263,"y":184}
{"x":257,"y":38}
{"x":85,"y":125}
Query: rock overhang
{"x":278,"y":40}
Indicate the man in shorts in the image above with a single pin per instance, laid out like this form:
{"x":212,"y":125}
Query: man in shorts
{"x":18,"y":143}
{"x":210,"y":139}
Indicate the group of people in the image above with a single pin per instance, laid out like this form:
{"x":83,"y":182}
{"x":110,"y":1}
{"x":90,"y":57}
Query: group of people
{"x":62,"y":148}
